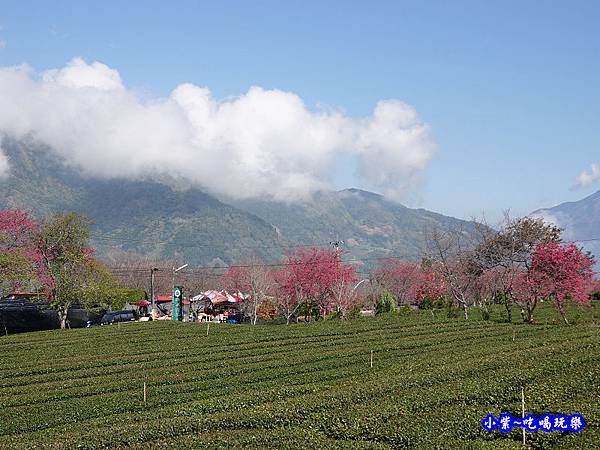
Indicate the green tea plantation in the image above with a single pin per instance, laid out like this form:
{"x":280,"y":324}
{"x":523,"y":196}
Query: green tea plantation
{"x":415,"y":380}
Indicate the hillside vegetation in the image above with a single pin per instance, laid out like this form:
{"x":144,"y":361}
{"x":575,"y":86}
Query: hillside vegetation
{"x":433,"y":380}
{"x":161,"y":218}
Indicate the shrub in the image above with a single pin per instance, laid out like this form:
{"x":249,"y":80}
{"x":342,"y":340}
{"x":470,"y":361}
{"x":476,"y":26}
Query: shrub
{"x":387,"y":303}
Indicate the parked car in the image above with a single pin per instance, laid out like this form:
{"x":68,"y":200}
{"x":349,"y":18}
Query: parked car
{"x":236,"y":318}
{"x":117,"y":316}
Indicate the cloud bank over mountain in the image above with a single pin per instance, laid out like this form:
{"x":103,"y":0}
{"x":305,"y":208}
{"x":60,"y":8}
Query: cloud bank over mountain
{"x":262,"y":143}
{"x":587,"y":178}
{"x":4,"y":166}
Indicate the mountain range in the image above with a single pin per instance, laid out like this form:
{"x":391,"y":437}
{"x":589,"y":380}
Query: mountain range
{"x":579,"y":220}
{"x":159,"y":219}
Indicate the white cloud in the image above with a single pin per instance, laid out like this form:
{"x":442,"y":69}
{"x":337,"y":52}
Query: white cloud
{"x":586,"y":178}
{"x":79,"y":74}
{"x":2,"y":43}
{"x":4,"y":166}
{"x":559,"y":219}
{"x":548,"y":217}
{"x":264,"y":142}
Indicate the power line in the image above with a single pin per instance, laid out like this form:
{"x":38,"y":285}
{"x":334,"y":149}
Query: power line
{"x":198,"y":270}
{"x":240,"y":266}
{"x":196,"y":244}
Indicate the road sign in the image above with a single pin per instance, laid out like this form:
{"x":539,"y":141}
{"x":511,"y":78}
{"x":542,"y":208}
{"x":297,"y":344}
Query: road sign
{"x":176,"y":313}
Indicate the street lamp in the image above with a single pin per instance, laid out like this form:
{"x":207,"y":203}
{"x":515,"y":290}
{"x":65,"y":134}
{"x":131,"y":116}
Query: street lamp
{"x":177,"y":270}
{"x":182,"y":267}
{"x":359,"y":283}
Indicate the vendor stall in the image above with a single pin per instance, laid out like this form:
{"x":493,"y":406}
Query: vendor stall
{"x":219,"y":306}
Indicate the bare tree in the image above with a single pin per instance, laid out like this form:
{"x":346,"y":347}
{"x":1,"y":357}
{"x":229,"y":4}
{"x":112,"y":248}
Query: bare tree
{"x":397,"y":277}
{"x":253,"y":278}
{"x":345,"y":297}
{"x":135,"y":271}
{"x":196,"y":281}
{"x":506,"y":252}
{"x":288,"y":303}
{"x":451,"y":253}
{"x":261,"y":284}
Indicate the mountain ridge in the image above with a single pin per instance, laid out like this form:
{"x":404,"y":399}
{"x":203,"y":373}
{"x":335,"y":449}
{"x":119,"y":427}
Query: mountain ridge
{"x":580,"y":221}
{"x":152,"y":217}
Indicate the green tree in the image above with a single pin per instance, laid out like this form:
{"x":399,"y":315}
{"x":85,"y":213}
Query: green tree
{"x":70,"y":273}
{"x":387,"y":303}
{"x":16,"y":272}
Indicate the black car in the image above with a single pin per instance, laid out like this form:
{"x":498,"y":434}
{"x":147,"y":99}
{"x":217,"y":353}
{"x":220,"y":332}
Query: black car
{"x":117,"y":316}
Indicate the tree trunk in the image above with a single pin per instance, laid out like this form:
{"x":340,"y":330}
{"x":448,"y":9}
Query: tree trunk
{"x":63,"y":311}
{"x":529,"y":313}
{"x":464,"y":305}
{"x":508,"y":306}
{"x":561,"y":310}
{"x":530,"y":306}
{"x":486,"y":311}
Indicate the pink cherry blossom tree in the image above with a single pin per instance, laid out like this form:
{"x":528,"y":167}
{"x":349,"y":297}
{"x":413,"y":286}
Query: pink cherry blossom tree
{"x":308,"y":279}
{"x":558,"y":272}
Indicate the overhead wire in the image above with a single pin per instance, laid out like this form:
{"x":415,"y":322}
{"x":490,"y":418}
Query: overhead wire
{"x":195,"y":244}
{"x":280,"y":264}
{"x":201,"y":270}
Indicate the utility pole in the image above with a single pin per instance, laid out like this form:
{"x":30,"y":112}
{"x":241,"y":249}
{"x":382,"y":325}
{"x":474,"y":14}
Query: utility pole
{"x":152,"y":296}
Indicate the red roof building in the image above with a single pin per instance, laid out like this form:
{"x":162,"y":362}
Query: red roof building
{"x":169,"y":299}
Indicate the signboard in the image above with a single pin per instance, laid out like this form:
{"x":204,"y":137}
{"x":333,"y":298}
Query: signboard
{"x":176,"y":313}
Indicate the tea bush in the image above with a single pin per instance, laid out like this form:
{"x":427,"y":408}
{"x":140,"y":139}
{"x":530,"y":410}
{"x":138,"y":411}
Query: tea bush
{"x":301,"y":386}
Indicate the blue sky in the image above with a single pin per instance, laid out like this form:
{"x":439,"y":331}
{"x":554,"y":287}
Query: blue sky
{"x":509,"y":89}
